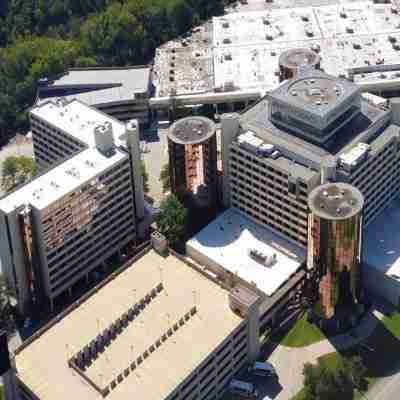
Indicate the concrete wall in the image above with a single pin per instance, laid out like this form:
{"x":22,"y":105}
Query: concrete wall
{"x":229,"y":131}
{"x":132,"y":134}
{"x":12,"y":259}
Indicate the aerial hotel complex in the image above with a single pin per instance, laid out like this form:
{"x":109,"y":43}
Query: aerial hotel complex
{"x":309,"y":186}
{"x":313,"y":129}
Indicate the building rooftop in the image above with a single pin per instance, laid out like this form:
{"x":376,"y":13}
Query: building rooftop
{"x":78,"y":119}
{"x":96,"y":86}
{"x":61,"y":180}
{"x":315,"y":92}
{"x":335,"y":201}
{"x":381,"y":241}
{"x":191,"y":130}
{"x":303,"y":57}
{"x":290,"y":143}
{"x":45,"y":361}
{"x":247,"y":45}
{"x":228,"y":241}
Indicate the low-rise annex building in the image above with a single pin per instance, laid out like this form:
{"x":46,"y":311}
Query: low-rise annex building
{"x":122,"y":92}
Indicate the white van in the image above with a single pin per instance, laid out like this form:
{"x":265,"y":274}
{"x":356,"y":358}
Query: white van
{"x":245,"y":389}
{"x":263,"y":369}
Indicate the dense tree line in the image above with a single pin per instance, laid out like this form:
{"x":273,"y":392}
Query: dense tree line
{"x":45,"y":37}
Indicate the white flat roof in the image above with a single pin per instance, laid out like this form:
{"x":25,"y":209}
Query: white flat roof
{"x":247,"y":49}
{"x":382,"y":241}
{"x":227,"y":240}
{"x":78,"y":120}
{"x":61,"y":180}
{"x":130,"y":80}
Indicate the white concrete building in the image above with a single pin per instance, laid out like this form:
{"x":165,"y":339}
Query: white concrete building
{"x":82,"y":209}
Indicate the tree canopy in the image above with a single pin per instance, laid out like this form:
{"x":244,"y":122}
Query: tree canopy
{"x":323,"y":383}
{"x":165,"y":178}
{"x":43,"y":38}
{"x":171,"y":221}
{"x":145,"y":175}
{"x":17,"y":170}
{"x":5,"y":308}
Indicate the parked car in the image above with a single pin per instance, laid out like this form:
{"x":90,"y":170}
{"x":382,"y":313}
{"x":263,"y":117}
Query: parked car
{"x":242,"y":388}
{"x":263,"y":369}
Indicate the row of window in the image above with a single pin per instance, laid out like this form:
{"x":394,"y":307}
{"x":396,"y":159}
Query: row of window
{"x":291,"y":233}
{"x":97,"y":254}
{"x":270,"y":204}
{"x":298,"y":203}
{"x":256,"y":161}
{"x":88,"y":239}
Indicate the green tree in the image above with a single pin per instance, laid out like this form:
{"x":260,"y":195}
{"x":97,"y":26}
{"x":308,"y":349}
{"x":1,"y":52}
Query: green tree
{"x":165,"y":178}
{"x":5,"y":307}
{"x":16,"y":171}
{"x":145,"y":175}
{"x":171,"y":221}
{"x":320,"y":383}
{"x":356,"y":371}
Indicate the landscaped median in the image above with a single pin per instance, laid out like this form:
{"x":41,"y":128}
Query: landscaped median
{"x":302,"y":334}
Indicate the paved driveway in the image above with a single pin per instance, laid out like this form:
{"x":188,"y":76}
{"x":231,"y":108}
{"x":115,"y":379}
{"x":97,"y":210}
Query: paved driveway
{"x":289,"y":361}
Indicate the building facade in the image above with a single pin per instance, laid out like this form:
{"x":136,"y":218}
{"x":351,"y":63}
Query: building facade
{"x":311,"y":130}
{"x":335,"y":245}
{"x":192,"y":149}
{"x":83,"y":208}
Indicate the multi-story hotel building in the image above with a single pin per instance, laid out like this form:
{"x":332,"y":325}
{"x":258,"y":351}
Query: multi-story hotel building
{"x":312,"y":129}
{"x":80,"y":211}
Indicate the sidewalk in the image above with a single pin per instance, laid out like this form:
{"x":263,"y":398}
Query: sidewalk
{"x":289,"y":361}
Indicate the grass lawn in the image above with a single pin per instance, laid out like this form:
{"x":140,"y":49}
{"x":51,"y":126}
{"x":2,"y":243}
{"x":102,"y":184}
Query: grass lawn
{"x":302,"y":334}
{"x":392,"y":323}
{"x":380,"y":353}
{"x":1,"y":393}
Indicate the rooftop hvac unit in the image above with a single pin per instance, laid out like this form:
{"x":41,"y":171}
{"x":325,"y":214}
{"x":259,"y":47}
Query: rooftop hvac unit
{"x":262,"y":258}
{"x":104,"y":138}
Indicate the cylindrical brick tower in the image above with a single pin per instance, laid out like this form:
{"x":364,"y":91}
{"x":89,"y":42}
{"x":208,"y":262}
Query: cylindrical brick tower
{"x":192,"y":148}
{"x":334,"y":245}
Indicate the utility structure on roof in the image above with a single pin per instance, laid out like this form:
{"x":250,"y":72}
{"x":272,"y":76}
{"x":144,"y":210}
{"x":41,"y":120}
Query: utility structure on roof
{"x":334,"y":245}
{"x":192,"y":148}
{"x":293,"y":61}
